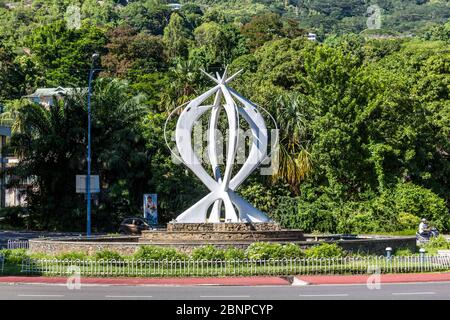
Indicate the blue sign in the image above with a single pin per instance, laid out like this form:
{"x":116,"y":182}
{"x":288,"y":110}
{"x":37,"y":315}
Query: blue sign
{"x":151,"y":209}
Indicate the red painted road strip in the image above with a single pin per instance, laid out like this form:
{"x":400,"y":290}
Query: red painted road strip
{"x":236,"y":281}
{"x":385,"y":278}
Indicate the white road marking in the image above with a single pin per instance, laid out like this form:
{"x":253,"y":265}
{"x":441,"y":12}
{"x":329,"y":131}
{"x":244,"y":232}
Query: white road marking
{"x":129,"y":297}
{"x":325,"y":295}
{"x":411,"y":293}
{"x":40,"y":295}
{"x":224,"y":296}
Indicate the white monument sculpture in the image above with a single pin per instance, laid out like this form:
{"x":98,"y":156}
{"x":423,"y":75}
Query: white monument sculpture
{"x":222,"y":185}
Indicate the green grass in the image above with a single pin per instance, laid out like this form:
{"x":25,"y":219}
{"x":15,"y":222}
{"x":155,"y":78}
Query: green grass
{"x":409,"y":232}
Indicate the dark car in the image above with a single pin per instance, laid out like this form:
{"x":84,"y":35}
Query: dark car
{"x":133,"y":226}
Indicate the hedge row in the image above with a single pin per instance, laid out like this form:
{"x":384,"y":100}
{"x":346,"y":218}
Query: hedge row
{"x":256,"y":251}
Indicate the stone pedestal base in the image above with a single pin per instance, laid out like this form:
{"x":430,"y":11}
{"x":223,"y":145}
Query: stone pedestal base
{"x":217,"y":233}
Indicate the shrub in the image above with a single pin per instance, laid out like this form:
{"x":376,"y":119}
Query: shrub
{"x":40,"y":255}
{"x":14,"y":256}
{"x":108,"y":255}
{"x":439,"y":242}
{"x":234,"y":254}
{"x":408,"y":221}
{"x":158,"y":253}
{"x":263,"y":198}
{"x":325,"y":250}
{"x":208,"y":252}
{"x":395,"y":209}
{"x":403,"y":252}
{"x":356,"y":218}
{"x":422,"y":203}
{"x":72,"y":256}
{"x":291,"y":250}
{"x":264,"y":251}
{"x":296,"y":213}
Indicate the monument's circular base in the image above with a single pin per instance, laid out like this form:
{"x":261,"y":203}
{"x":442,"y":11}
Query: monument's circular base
{"x":221,"y":232}
{"x":187,"y":237}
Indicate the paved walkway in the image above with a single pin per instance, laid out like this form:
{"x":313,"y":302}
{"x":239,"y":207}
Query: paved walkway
{"x":239,"y":281}
{"x":385,"y":278}
{"x":229,"y":281}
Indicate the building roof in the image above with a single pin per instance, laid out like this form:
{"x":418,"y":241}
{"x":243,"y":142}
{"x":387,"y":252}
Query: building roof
{"x":50,"y":92}
{"x":175,"y":6}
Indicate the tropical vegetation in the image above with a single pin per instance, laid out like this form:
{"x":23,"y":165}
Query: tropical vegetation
{"x":364,"y":114}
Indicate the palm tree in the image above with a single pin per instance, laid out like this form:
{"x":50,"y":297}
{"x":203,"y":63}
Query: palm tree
{"x":51,"y":146}
{"x":186,"y":75}
{"x":295,"y":161}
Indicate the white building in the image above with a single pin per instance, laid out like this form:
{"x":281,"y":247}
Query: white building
{"x":312,"y":37}
{"x":47,"y":96}
{"x":174,"y":6}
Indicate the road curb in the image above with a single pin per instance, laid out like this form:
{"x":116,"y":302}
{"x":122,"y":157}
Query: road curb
{"x":235,"y":281}
{"x":383,"y":278}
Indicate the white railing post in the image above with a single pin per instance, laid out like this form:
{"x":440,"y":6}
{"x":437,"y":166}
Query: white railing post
{"x":236,"y":267}
{"x":17,"y":244}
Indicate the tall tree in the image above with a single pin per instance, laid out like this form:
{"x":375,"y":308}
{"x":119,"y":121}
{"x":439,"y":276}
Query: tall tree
{"x":148,"y":15}
{"x":262,"y":29}
{"x":176,"y":37}
{"x":51,"y":145}
{"x":217,"y":44}
{"x":65,"y":54}
{"x":12,"y":77}
{"x":131,"y":54}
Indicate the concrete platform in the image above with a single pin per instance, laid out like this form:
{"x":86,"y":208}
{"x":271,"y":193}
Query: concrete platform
{"x":221,"y":233}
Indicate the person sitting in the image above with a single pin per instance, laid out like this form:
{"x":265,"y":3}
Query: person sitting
{"x":424,"y":230}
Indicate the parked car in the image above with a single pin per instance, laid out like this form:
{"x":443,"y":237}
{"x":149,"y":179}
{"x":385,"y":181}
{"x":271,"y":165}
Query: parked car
{"x":133,"y":226}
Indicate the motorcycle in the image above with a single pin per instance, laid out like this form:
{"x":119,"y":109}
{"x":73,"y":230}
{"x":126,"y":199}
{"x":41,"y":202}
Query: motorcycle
{"x":426,"y":236}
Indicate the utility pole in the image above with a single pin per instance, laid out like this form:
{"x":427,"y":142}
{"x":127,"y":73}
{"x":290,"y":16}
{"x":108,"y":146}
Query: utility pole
{"x":88,"y":178}
{"x":5,"y":131}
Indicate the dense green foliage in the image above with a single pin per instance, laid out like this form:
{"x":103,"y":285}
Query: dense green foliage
{"x":325,"y":250}
{"x":436,"y":244}
{"x":365,"y":114}
{"x":14,"y":256}
{"x":158,"y":253}
{"x":256,"y":251}
{"x":266,"y":250}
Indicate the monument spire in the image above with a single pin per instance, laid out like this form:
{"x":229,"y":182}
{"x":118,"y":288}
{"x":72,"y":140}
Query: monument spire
{"x":222,"y":186}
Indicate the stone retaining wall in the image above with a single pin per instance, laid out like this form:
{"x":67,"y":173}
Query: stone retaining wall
{"x":53,"y":246}
{"x":222,"y":227}
{"x":232,"y":236}
{"x":378,"y":245}
{"x":57,"y":247}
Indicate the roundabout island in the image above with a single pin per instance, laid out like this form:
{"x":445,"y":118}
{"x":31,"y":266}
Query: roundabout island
{"x":222,"y":218}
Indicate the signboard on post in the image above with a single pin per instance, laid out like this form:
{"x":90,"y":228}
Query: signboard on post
{"x":81,"y":184}
{"x":151,"y":208}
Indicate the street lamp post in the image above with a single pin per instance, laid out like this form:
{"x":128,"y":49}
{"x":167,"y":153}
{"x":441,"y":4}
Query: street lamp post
{"x":88,"y":178}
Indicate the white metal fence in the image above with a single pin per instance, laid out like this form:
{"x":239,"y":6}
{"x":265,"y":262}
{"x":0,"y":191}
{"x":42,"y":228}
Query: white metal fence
{"x":17,"y":244}
{"x":174,"y":268}
{"x":2,"y":262}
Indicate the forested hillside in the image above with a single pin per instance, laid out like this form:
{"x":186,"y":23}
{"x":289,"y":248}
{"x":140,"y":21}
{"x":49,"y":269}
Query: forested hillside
{"x":365,"y":114}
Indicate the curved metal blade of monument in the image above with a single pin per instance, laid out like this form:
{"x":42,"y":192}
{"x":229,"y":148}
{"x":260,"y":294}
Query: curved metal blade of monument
{"x":222,"y":186}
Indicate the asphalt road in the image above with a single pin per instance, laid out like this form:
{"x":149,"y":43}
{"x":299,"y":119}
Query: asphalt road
{"x":416,"y":291}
